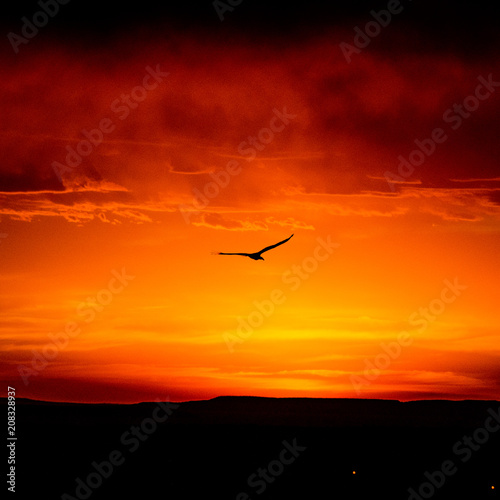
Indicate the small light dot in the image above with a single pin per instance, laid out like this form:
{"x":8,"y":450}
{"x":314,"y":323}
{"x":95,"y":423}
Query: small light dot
{"x":492,"y":487}
{"x":354,"y":472}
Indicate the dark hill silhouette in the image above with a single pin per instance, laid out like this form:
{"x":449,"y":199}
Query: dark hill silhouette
{"x":211,"y":448}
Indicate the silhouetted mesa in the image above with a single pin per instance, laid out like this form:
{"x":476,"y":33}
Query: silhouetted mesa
{"x":239,"y":448}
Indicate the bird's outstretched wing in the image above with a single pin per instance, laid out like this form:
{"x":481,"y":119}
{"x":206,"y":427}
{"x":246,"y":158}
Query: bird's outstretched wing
{"x":225,"y":253}
{"x":274,"y":246}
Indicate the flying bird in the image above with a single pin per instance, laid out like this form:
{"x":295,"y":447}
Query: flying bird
{"x":257,"y":255}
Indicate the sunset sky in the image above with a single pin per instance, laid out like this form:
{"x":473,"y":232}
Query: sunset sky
{"x":300,"y":140}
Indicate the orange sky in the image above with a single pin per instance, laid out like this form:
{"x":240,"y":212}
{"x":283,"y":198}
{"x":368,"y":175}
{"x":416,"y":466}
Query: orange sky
{"x":130,"y":205}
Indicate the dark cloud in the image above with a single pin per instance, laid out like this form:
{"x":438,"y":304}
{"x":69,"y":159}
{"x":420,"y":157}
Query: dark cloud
{"x":443,"y":19}
{"x":28,"y":180}
{"x":225,"y":78}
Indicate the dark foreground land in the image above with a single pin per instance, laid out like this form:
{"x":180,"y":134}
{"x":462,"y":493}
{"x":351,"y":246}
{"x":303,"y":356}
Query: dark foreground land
{"x":259,"y":448}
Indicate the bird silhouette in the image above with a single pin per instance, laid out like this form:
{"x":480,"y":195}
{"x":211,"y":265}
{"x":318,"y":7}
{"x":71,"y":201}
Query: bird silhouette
{"x":257,"y":255}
